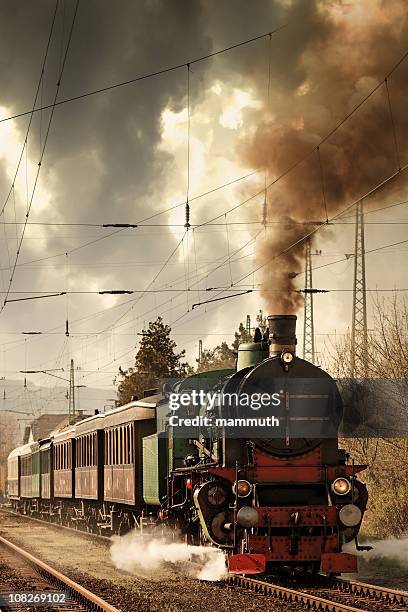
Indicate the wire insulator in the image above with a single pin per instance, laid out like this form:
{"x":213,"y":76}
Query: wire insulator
{"x":187,"y":223}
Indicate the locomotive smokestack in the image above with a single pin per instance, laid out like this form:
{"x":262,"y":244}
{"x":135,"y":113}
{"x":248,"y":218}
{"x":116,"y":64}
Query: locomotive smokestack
{"x":282,"y":333}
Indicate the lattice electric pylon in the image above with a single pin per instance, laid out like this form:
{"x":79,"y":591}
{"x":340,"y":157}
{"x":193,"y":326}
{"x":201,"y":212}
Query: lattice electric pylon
{"x":359,"y":341}
{"x":308,"y":324}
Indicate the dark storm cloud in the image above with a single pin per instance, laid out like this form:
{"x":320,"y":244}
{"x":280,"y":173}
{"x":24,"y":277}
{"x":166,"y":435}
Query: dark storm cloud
{"x":101,"y":163}
{"x":238,"y":19}
{"x":111,"y":42}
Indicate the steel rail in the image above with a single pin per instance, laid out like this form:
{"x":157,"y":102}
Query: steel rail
{"x":374,"y":592}
{"x":290,"y":596}
{"x":77,"y":591}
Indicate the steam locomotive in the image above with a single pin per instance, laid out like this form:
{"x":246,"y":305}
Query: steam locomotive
{"x":281,"y":496}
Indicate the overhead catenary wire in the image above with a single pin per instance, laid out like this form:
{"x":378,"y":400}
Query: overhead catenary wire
{"x":31,"y":113}
{"x":150,"y":74}
{"x":370,"y":192}
{"x":268,"y":96}
{"x":319,"y":226}
{"x":187,"y":223}
{"x":138,"y":224}
{"x":347,"y":257}
{"x":42,"y":154}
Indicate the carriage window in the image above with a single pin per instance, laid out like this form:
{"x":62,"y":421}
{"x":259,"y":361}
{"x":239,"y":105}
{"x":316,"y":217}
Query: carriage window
{"x":115,"y":446}
{"x":130,"y":442}
{"x":120,"y":445}
{"x":119,"y":432}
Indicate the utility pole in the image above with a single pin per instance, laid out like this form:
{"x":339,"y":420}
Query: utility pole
{"x":248,"y":324}
{"x":308,"y":323}
{"x":359,"y":340}
{"x":71,"y":396}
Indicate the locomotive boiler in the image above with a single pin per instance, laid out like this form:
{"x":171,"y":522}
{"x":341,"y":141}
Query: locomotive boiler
{"x":266,"y":483}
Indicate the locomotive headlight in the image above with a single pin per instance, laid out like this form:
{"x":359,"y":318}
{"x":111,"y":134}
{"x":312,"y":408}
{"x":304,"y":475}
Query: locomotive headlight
{"x":247,"y":517}
{"x":287,"y":357}
{"x":242,"y":488}
{"x":350,"y":515}
{"x":341,"y":486}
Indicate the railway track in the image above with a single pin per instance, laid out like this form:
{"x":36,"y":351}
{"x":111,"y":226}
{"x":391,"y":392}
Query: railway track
{"x":91,"y":534}
{"x":33,"y":582}
{"x":330,"y":596}
{"x":326,"y":595}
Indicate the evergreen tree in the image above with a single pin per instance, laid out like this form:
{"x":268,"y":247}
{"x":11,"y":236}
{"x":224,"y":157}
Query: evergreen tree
{"x":155,"y":359}
{"x":218,"y":358}
{"x":241,"y":336}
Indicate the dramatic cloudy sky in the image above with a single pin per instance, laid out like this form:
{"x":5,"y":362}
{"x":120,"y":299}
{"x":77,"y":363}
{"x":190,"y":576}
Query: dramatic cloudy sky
{"x":121,"y":156}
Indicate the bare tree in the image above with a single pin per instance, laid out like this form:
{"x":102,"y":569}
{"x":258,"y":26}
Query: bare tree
{"x":386,"y":401}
